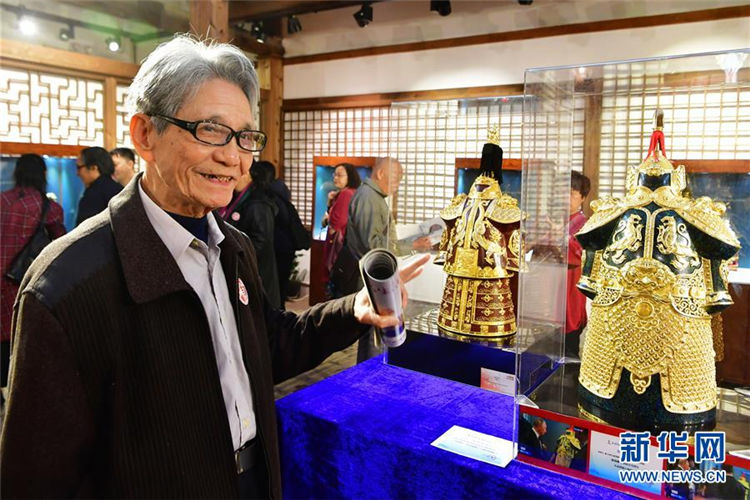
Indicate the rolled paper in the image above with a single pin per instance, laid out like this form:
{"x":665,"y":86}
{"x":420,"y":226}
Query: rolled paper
{"x":379,"y":270}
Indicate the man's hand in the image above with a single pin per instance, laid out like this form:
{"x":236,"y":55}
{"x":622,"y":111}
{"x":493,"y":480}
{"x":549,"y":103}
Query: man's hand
{"x":422,"y":244}
{"x":365,"y":313}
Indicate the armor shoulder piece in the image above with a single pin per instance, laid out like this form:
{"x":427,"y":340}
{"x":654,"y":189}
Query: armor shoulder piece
{"x":606,"y":210}
{"x":706,"y":215}
{"x":504,"y":210}
{"x":455,"y":208}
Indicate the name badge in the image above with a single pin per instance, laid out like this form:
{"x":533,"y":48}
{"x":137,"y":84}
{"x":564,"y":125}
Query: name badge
{"x":243,"y":291}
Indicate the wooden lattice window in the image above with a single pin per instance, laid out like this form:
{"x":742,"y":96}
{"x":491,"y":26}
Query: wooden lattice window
{"x":426,"y":136}
{"x":39,"y":107}
{"x":702,"y":122}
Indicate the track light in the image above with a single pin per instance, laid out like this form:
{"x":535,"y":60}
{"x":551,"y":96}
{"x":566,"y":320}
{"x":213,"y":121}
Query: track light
{"x":364,"y":15}
{"x":26,"y":24}
{"x":293,"y":25}
{"x":257,"y":31}
{"x":113,"y":43}
{"x":67,"y":33}
{"x":442,"y":7}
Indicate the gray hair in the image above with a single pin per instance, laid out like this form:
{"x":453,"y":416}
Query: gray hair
{"x":175,"y":70}
{"x":388,"y":164}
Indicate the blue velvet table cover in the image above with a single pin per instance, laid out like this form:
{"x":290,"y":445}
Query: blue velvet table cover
{"x":366,"y":433}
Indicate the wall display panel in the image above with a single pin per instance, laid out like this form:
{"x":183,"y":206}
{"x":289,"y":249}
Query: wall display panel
{"x":342,"y":132}
{"x":324,"y":242}
{"x":63,"y":185}
{"x":39,"y":107}
{"x":631,"y":367}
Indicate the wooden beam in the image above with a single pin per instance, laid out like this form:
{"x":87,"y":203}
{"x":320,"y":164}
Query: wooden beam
{"x":526,"y":34}
{"x":146,"y":11}
{"x":592,"y":141}
{"x":243,"y":40}
{"x":110,"y":113}
{"x":21,"y":52}
{"x":701,"y":78}
{"x":271,"y":75}
{"x":22,"y":148}
{"x":253,"y":11}
{"x":715,"y":166}
{"x":386,"y":99}
{"x":210,"y":19}
{"x":508,"y":163}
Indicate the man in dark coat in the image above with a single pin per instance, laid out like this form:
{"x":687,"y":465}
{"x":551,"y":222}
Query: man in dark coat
{"x":95,"y":168}
{"x":145,"y":353}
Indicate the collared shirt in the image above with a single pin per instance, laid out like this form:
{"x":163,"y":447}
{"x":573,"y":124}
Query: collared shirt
{"x":201,"y":267}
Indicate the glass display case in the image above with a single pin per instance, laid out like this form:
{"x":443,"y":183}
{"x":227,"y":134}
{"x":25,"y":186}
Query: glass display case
{"x":597,"y":120}
{"x":440,"y":145}
{"x":650,"y":248}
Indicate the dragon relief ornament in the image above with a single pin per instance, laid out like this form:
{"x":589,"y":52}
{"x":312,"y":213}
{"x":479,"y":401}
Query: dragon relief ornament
{"x":481,"y":252}
{"x":655,"y":267}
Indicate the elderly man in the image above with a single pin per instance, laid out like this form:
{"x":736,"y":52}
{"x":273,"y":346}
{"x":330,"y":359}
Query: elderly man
{"x":145,"y":353}
{"x":370,"y":225}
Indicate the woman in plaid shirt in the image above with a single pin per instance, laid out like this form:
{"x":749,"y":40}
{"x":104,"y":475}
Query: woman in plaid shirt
{"x":20,"y":210}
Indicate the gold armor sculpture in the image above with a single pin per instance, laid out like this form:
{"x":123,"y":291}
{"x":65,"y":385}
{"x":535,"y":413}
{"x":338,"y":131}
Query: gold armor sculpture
{"x":655,"y":266}
{"x":481,"y":248}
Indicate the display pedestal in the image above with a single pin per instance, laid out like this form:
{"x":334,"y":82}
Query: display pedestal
{"x":366,"y":433}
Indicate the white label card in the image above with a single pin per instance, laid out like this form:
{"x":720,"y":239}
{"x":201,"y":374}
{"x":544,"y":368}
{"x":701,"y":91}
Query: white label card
{"x":504,"y":383}
{"x":472,"y":444}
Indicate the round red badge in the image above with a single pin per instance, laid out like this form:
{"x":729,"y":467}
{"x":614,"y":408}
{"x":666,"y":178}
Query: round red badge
{"x":243,"y":291}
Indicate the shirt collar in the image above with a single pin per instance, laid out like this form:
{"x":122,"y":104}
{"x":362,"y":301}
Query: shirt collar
{"x":374,"y":186}
{"x":176,"y":238}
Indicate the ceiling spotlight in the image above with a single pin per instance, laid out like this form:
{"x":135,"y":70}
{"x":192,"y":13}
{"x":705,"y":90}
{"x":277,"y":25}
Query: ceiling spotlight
{"x":293,"y":25}
{"x":442,"y":7}
{"x":257,"y":32}
{"x":27,"y":25}
{"x":67,"y":33}
{"x":113,"y":43}
{"x":525,"y":2}
{"x":364,"y":15}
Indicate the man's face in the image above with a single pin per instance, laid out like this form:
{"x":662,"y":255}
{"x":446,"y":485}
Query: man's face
{"x":541,"y":428}
{"x":391,"y":178}
{"x":87,"y":174}
{"x":123,"y":168}
{"x":189,"y":177}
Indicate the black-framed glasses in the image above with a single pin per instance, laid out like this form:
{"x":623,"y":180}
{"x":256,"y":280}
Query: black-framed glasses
{"x":217,"y":134}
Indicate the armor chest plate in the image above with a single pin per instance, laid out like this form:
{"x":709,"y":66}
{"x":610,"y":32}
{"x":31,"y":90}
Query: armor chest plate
{"x":652,"y":232}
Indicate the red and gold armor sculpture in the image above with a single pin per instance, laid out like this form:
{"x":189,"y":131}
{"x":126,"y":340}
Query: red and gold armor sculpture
{"x":656,"y":269}
{"x":481,"y":247}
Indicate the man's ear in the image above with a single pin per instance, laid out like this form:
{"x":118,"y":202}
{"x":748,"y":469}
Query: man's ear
{"x":141,"y":134}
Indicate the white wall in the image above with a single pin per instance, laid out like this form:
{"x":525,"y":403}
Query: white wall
{"x":505,"y":62}
{"x":402,"y":21}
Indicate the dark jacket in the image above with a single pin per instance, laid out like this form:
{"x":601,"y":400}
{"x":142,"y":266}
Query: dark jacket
{"x":254,"y":215}
{"x":96,"y":197}
{"x":115,"y":390}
